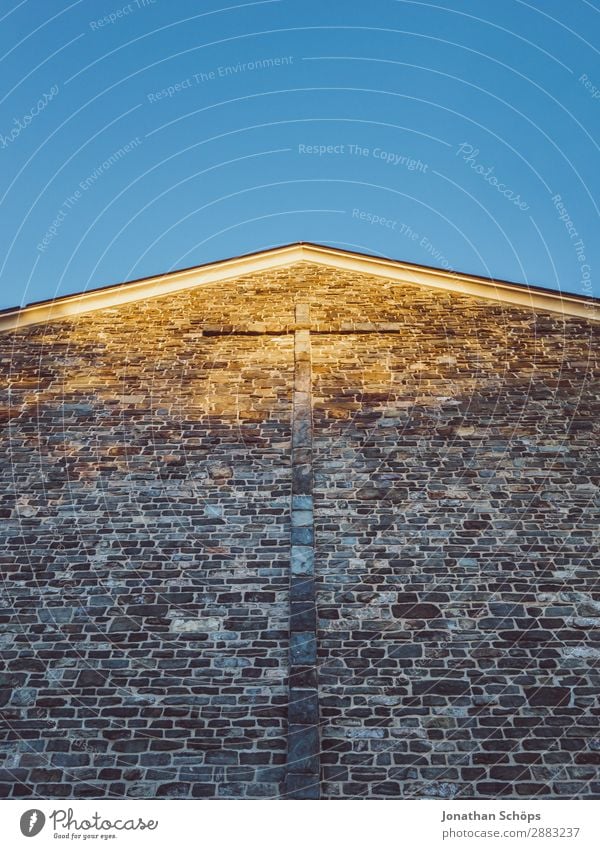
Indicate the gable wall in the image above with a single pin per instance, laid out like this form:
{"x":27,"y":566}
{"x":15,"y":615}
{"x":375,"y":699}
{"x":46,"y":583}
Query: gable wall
{"x":146,"y":480}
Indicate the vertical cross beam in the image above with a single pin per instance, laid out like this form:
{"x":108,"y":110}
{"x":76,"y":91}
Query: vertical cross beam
{"x":302,"y":774}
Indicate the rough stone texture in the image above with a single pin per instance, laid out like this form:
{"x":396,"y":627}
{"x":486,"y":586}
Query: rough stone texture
{"x":146,"y":498}
{"x":145,"y":554}
{"x":456,"y":519}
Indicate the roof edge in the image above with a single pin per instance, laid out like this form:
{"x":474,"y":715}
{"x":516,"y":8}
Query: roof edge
{"x":534,"y":297}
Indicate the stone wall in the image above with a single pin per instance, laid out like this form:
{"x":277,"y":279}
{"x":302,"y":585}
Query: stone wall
{"x":145,"y":559}
{"x":146,"y":485}
{"x":457,"y":521}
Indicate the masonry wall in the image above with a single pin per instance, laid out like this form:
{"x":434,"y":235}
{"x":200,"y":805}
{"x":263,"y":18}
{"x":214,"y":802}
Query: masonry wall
{"x":146,"y":487}
{"x":457,"y":521}
{"x":145,"y":478}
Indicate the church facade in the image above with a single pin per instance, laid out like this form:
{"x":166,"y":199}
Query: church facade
{"x":302,"y":524}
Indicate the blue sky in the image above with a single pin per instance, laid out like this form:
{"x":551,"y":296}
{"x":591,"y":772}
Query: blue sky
{"x":141,"y":137}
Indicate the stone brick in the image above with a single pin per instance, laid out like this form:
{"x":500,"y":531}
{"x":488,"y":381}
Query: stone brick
{"x":416,"y":611}
{"x":302,"y":560}
{"x":91,"y":678}
{"x":303,"y":615}
{"x":302,"y":786}
{"x":303,"y":648}
{"x":441,"y":686}
{"x":548,"y":696}
{"x":303,"y":748}
{"x":303,"y":707}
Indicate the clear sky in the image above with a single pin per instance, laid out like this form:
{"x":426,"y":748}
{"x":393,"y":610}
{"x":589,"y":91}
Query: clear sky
{"x":141,"y":137}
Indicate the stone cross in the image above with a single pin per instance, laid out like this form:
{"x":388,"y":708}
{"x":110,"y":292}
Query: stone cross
{"x":303,"y":761}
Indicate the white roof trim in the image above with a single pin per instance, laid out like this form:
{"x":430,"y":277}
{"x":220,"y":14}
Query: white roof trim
{"x":177,"y":281}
